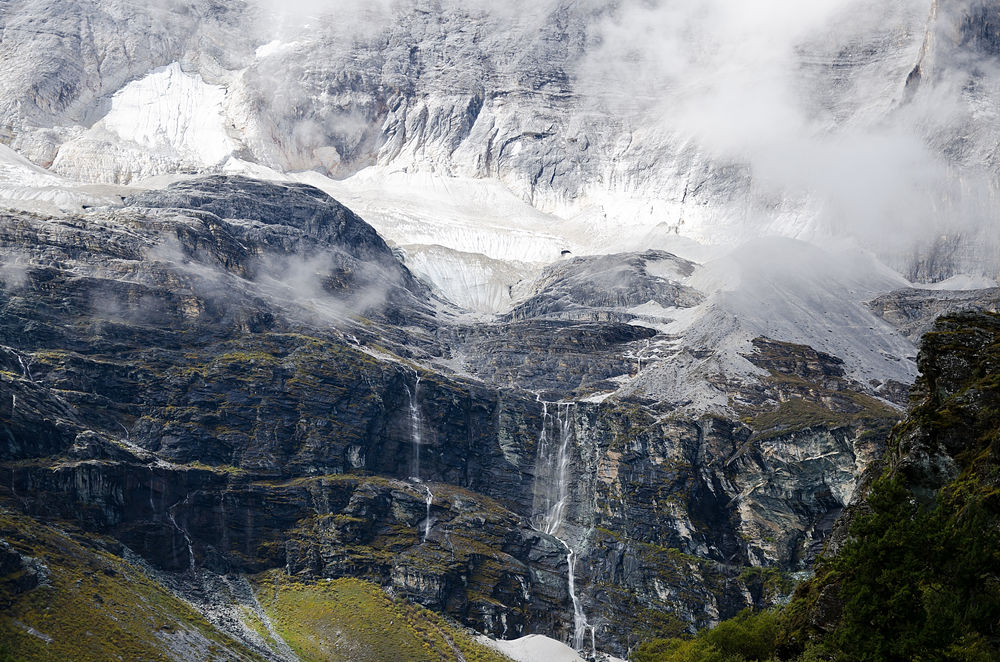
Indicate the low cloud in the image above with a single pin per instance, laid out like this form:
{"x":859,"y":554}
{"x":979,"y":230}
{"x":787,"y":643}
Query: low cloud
{"x":14,"y":271}
{"x":811,"y":96}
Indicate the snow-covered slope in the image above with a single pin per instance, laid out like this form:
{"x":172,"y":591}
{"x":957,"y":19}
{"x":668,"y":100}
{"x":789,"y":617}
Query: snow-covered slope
{"x":625,"y":120}
{"x":795,"y":292}
{"x":167,"y":121}
{"x":709,"y":315}
{"x":490,"y":141}
{"x":536,"y":648}
{"x":464,"y":214}
{"x":24,"y":185}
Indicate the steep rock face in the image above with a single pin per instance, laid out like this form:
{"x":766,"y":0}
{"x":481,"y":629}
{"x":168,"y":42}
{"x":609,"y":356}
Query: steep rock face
{"x":586,"y":288}
{"x":86,"y":602}
{"x":914,"y":312}
{"x":926,"y":516}
{"x":953,"y":417}
{"x":559,"y":360}
{"x":540,"y":97}
{"x":64,"y":60}
{"x":170,"y":381}
{"x":981,"y":28}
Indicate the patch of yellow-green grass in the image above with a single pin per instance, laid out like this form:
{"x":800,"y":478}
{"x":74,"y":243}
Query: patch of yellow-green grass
{"x":351,"y":620}
{"x":800,"y":414}
{"x":95,"y":606}
{"x":254,"y":622}
{"x":226,"y":469}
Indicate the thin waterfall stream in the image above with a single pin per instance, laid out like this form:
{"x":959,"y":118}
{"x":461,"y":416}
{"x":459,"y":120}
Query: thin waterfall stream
{"x":416,"y":441}
{"x":427,"y":519}
{"x":183,"y":531}
{"x":554,"y":465}
{"x":416,"y":429}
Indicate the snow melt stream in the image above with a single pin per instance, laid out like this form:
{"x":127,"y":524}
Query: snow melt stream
{"x":552,"y":498}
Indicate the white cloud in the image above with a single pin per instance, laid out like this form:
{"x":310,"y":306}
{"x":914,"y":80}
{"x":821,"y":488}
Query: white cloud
{"x":810,"y":95}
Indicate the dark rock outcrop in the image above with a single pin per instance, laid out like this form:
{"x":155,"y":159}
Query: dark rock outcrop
{"x":915,"y":311}
{"x":605,"y":286}
{"x":925,"y":516}
{"x":169,"y":381}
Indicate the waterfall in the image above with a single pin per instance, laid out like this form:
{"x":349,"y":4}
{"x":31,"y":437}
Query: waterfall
{"x":25,"y":367}
{"x":556,"y":467}
{"x":187,"y":538}
{"x":579,"y":617}
{"x":416,"y":429}
{"x":416,"y":441}
{"x":552,"y":487}
{"x":427,"y":520}
{"x":152,"y":506}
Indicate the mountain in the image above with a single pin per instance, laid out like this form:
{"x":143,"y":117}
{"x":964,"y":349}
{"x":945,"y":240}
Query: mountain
{"x":912,"y":568}
{"x":842,"y":120}
{"x":230,"y":377}
{"x":584,"y":320}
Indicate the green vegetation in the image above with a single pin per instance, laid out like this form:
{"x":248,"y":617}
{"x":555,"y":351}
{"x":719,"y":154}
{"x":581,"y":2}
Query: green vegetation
{"x":93,"y":606}
{"x":919,"y":576}
{"x":914,"y":583}
{"x":348,"y":619}
{"x":773,"y":582}
{"x":797,"y":414}
{"x":812,"y":392}
{"x":918,"y":580}
{"x":748,"y":636}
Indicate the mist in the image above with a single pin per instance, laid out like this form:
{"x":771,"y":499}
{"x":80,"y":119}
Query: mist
{"x":792,"y":90}
{"x":295,"y":283}
{"x":850,"y":117}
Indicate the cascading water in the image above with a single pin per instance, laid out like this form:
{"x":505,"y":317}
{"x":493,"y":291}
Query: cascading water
{"x":580,"y":624}
{"x":427,"y":520}
{"x":183,"y":531}
{"x":552,"y":497}
{"x":416,"y":429}
{"x":152,"y":506}
{"x":26,"y":367}
{"x":416,"y":441}
{"x":556,"y":467}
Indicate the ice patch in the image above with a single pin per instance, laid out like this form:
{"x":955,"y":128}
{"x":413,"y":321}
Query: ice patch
{"x":273,"y":48}
{"x":474,"y":282}
{"x":463,"y":214}
{"x":24,"y":185}
{"x":167,"y":122}
{"x":170,"y":110}
{"x":537,"y":648}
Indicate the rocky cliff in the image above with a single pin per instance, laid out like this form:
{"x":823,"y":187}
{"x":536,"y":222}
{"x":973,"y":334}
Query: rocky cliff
{"x":911,"y":570}
{"x":577,"y":371}
{"x":575,"y":115}
{"x":233,"y":377}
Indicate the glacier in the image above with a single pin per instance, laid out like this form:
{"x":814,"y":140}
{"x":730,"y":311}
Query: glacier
{"x":168,"y":121}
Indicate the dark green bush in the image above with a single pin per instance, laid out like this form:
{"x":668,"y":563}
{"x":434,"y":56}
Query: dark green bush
{"x":748,"y":637}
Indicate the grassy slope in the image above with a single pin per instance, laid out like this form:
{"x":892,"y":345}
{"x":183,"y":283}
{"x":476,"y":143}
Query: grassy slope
{"x":95,"y":606}
{"x":351,"y":620}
